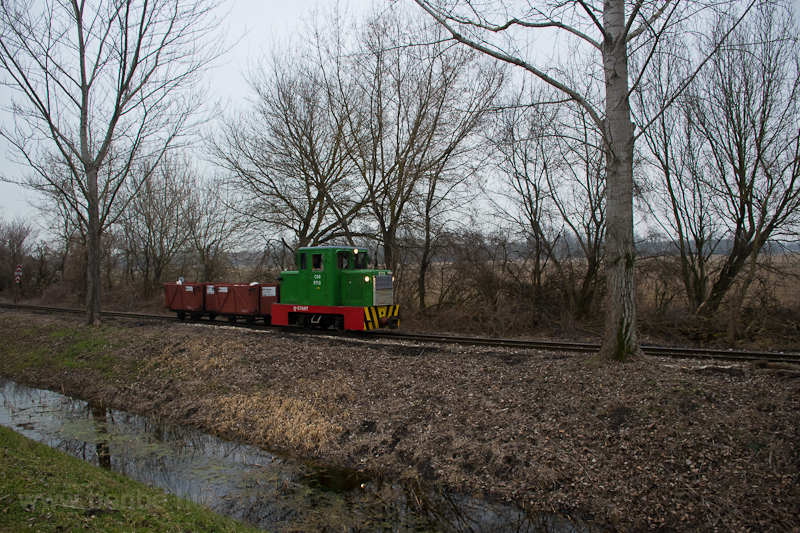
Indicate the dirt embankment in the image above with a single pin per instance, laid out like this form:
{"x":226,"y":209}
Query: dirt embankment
{"x":657,"y":444}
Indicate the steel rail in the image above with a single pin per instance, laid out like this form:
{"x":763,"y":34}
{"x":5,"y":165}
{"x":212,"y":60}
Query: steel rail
{"x":72,"y":310}
{"x":657,"y":351}
{"x":557,"y":346}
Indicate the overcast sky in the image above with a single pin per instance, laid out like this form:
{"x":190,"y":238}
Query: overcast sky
{"x":255,"y":24}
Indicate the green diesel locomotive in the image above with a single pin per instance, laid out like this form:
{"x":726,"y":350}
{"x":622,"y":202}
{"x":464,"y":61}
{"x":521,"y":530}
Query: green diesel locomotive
{"x":333,"y":286}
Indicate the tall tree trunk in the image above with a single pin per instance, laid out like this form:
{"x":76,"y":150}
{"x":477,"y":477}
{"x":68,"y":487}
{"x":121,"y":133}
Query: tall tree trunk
{"x":588,"y":288}
{"x":388,"y":256}
{"x":620,"y":342}
{"x":424,"y":263}
{"x":734,"y":321}
{"x":93,"y":279}
{"x":425,"y":259}
{"x":389,"y":234}
{"x":734,"y":263}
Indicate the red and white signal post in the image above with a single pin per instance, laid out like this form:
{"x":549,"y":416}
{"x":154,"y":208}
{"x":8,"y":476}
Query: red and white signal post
{"x":17,"y":281}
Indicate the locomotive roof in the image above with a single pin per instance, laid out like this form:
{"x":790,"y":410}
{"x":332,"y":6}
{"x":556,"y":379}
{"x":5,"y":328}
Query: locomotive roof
{"x":307,"y":248}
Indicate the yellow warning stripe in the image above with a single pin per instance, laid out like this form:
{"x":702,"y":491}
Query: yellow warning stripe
{"x":370,"y":318}
{"x":372,"y":315}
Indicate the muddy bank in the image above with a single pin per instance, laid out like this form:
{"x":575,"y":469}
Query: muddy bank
{"x":655,"y":444}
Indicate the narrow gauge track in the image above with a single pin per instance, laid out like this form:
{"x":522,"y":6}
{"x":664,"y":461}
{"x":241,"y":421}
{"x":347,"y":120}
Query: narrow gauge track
{"x":658,"y":351}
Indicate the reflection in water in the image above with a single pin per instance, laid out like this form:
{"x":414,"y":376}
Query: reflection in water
{"x":246,"y":482}
{"x":101,"y":431}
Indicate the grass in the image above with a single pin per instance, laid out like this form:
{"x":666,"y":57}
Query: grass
{"x":62,"y":347}
{"x":78,"y":345}
{"x":42,"y":489}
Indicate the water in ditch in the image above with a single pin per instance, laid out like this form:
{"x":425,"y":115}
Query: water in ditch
{"x":248,"y":483}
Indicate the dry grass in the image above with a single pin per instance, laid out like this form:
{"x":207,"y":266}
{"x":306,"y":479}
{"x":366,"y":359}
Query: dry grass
{"x":272,"y":418}
{"x":504,"y":305}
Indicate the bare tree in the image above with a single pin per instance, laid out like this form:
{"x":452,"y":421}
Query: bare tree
{"x":68,"y":242}
{"x":287,"y":155}
{"x":608,"y":30}
{"x":680,"y":202}
{"x":732,"y":168}
{"x":213,"y":227}
{"x":551,"y":189}
{"x":15,"y":247}
{"x":451,"y":180}
{"x":524,"y":146}
{"x":749,"y":122}
{"x":411,"y":115}
{"x":98,"y":86}
{"x":154,"y":227}
{"x":438,"y":210}
{"x":521,"y":143}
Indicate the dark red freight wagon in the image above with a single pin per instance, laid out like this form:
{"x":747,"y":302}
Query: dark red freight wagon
{"x":185,"y":298}
{"x":235,"y":299}
{"x":212,"y":301}
{"x":270,"y":294}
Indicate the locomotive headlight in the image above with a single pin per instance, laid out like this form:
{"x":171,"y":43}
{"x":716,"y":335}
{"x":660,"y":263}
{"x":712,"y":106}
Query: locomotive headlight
{"x":366,"y":278}
{"x":355,"y":251}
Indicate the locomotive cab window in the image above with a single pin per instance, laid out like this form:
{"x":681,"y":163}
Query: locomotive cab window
{"x":343,"y":260}
{"x":360,"y":261}
{"x":302,"y":261}
{"x":316,"y":261}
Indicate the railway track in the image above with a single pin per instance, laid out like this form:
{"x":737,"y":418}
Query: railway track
{"x":792,"y":357}
{"x":658,"y":351}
